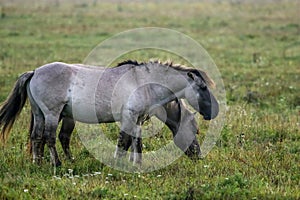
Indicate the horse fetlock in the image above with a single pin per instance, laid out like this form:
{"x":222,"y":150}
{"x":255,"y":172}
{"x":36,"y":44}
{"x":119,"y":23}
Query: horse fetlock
{"x":37,"y":158}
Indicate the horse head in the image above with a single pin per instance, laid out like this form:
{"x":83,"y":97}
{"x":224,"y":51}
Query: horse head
{"x":199,"y":95}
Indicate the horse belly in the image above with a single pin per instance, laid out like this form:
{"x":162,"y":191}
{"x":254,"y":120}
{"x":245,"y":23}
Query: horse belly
{"x":90,"y":115}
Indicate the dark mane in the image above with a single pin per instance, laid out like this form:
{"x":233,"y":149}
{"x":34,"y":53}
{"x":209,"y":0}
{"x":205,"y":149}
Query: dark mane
{"x":129,"y":62}
{"x":180,"y":67}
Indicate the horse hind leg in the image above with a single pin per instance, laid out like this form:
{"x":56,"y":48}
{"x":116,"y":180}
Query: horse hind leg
{"x":36,"y":146}
{"x":51,"y":124}
{"x":36,"y":131}
{"x":66,"y":130}
{"x":36,"y":136}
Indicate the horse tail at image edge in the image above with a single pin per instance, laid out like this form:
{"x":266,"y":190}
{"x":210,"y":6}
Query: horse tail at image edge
{"x":13,"y":105}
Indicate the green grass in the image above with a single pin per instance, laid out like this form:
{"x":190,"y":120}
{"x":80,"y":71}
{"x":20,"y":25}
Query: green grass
{"x":257,"y":49}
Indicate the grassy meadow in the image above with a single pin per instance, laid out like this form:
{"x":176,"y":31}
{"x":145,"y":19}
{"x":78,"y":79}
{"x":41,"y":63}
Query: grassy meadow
{"x":256,"y":46}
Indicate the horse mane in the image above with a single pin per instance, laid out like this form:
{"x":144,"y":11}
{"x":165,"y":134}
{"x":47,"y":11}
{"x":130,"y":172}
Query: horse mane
{"x":169,"y":63}
{"x":129,"y":62}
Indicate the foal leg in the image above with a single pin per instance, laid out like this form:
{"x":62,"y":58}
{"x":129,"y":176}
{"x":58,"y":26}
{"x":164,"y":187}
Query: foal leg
{"x":51,"y":123}
{"x":64,"y":136}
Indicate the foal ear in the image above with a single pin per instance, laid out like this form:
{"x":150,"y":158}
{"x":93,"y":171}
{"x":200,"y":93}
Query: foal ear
{"x":191,"y":75}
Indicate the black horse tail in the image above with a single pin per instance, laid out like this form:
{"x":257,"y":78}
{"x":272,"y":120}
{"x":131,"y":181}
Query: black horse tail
{"x":13,"y":105}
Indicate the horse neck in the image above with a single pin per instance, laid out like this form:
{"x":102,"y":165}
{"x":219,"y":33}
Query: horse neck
{"x":174,"y":79}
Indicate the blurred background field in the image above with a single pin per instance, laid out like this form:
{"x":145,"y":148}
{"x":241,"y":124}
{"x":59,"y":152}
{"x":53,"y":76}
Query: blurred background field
{"x":256,"y":46}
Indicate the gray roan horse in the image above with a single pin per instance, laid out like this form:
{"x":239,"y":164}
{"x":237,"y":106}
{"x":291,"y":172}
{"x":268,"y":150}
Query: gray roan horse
{"x":179,"y":119}
{"x":129,"y":93}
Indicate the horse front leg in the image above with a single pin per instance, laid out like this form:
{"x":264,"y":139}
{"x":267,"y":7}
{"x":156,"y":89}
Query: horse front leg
{"x":132,"y":150}
{"x":128,"y":125}
{"x":123,"y":144}
{"x":136,"y":147}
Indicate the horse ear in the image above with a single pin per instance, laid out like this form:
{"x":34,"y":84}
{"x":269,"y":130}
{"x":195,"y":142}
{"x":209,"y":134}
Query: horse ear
{"x":191,"y":75}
